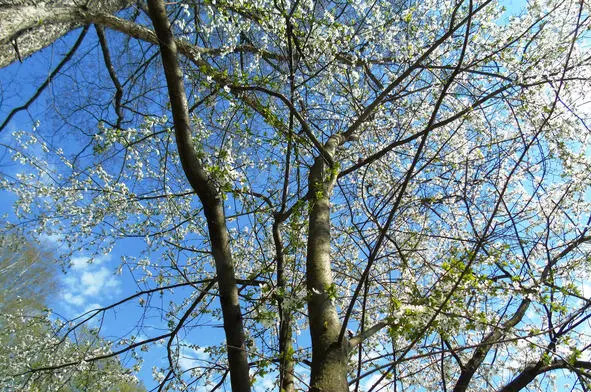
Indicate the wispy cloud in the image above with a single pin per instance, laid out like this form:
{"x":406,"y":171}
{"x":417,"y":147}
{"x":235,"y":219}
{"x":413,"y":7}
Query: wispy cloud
{"x":190,"y":357}
{"x":94,"y":282}
{"x":88,"y":281}
{"x":84,"y":262}
{"x":51,"y":240}
{"x":72,"y":299}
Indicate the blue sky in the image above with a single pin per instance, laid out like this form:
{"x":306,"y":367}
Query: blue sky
{"x":90,"y":282}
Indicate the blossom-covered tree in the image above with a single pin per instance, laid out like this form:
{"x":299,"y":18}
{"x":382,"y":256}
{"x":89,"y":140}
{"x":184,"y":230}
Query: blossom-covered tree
{"x":30,"y":339}
{"x":27,"y":274}
{"x":365,"y":194}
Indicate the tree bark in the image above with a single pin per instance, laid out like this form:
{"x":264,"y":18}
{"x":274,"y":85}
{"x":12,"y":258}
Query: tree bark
{"x":523,"y":379}
{"x":286,"y":363}
{"x":531,"y":371}
{"x":30,"y":25}
{"x":210,"y":198}
{"x":329,"y":358}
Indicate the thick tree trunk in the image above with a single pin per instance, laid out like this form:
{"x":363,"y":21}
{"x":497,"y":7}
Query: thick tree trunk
{"x":232,"y":314}
{"x":286,"y":364}
{"x":329,"y":359}
{"x":210,"y":198}
{"x":26,"y":26}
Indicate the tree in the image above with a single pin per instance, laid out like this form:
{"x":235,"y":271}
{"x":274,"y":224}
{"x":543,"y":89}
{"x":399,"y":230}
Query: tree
{"x":27,"y":275}
{"x":34,"y":342}
{"x":29,"y":339}
{"x":408,"y":181}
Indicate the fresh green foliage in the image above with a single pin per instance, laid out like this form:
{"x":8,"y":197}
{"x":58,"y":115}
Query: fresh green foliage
{"x":409,"y":179}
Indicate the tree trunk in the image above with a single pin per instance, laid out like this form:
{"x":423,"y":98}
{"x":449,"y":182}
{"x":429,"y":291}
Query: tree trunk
{"x":329,"y":359}
{"x":286,"y":364}
{"x":27,"y":26}
{"x":210,"y":198}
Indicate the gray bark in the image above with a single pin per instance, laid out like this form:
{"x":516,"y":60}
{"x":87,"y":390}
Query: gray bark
{"x":531,"y":371}
{"x":329,"y":358}
{"x":27,"y":26}
{"x":286,"y":362}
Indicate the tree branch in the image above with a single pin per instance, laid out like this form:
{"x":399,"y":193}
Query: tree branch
{"x":356,"y":340}
{"x":52,"y":75}
{"x":210,"y":198}
{"x":100,"y":31}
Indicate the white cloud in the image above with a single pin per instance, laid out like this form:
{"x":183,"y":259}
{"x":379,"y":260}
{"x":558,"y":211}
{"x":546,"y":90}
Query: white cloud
{"x":78,"y":263}
{"x":190,"y":357}
{"x":51,"y":240}
{"x":383,"y":383}
{"x":269,"y":381}
{"x":72,"y":299}
{"x":83,"y":262}
{"x":88,"y":281}
{"x":93,"y":282}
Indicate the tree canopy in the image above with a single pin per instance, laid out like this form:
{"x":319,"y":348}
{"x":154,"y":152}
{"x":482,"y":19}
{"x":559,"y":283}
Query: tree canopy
{"x":30,"y":339}
{"x":27,"y":274}
{"x":364,"y":195}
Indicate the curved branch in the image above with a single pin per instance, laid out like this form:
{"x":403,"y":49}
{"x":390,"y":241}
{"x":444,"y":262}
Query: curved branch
{"x":531,"y":371}
{"x":100,"y":31}
{"x":483,"y":348}
{"x":47,"y":81}
{"x":32,"y":25}
{"x":181,"y":323}
{"x":93,"y":312}
{"x":97,"y":358}
{"x":369,"y":332}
